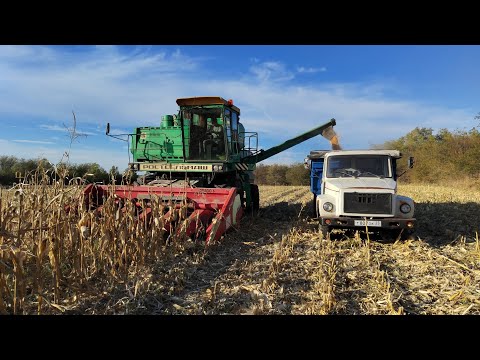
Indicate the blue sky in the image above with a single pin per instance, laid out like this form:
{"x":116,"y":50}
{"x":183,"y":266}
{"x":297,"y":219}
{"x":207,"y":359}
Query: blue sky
{"x":376,"y":93}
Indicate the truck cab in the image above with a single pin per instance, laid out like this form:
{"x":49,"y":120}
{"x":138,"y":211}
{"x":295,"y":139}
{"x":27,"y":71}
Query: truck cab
{"x":357,"y":189}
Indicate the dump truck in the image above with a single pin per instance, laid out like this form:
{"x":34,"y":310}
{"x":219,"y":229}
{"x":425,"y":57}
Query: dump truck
{"x":357,"y":189}
{"x":201,"y":159}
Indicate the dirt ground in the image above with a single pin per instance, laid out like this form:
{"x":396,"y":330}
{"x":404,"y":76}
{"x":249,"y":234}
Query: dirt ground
{"x":278,"y":263}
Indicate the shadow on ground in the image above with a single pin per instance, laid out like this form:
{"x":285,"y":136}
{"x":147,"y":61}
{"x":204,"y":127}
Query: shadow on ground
{"x":196,"y":281}
{"x":201,"y":280}
{"x":440,"y":224}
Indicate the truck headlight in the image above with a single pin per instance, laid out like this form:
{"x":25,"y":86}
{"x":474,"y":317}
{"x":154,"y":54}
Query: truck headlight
{"x":405,"y":208}
{"x":328,"y":206}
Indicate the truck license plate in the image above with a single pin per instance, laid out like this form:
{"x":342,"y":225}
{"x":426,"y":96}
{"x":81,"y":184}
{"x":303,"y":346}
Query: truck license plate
{"x":369,"y":223}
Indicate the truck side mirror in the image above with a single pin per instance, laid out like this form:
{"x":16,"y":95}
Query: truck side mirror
{"x":108,"y":129}
{"x":307,"y":163}
{"x":411,"y":162}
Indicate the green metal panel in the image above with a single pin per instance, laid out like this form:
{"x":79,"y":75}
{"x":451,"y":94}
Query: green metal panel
{"x":167,"y":121}
{"x":159,"y":143}
{"x":166,"y":142}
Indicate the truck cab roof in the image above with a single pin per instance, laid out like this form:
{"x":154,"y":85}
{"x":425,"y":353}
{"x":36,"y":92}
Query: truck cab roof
{"x":318,"y":154}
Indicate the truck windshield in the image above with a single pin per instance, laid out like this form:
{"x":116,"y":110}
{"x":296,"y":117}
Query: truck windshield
{"x":358,"y":166}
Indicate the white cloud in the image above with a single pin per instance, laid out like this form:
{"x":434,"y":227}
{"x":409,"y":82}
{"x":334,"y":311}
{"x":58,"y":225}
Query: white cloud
{"x":66,"y":129}
{"x":100,"y":85}
{"x":271,"y":71}
{"x":34,"y":141}
{"x":103,"y":84}
{"x":310,"y":70}
{"x":26,"y":54}
{"x":53,"y":128}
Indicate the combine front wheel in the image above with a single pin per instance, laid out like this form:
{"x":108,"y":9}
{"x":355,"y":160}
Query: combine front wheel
{"x":255,"y":198}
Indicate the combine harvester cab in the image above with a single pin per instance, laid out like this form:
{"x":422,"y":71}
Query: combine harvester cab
{"x":198,"y":169}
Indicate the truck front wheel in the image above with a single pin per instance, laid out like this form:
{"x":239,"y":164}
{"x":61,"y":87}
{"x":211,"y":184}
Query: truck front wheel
{"x":396,"y":234}
{"x":325,"y":229}
{"x":314,"y":207}
{"x":255,"y":198}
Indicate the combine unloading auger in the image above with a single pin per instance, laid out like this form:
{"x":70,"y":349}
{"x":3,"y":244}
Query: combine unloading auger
{"x":199,"y":170}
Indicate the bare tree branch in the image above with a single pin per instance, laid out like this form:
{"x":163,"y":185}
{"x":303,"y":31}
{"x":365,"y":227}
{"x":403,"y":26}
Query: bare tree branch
{"x":73,"y":135}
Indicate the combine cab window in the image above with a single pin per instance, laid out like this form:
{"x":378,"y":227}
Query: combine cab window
{"x":204,"y":134}
{"x":234,"y":122}
{"x":228,"y":128}
{"x":235,"y":147}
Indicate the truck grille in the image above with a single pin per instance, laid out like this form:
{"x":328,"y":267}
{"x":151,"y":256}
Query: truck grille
{"x":367,"y":203}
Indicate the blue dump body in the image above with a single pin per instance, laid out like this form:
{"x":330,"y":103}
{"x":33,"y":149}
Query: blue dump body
{"x":316,"y":171}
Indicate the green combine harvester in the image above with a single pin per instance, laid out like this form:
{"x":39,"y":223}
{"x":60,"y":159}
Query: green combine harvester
{"x":201,"y":156}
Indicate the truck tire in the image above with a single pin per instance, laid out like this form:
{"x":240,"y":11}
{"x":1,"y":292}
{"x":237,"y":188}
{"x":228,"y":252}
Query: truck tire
{"x":393,"y":235}
{"x":314,"y":212}
{"x":325,"y":229}
{"x":255,"y":198}
{"x":404,"y":235}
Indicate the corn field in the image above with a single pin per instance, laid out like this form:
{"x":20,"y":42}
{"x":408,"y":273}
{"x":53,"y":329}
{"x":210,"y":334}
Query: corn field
{"x":58,"y":258}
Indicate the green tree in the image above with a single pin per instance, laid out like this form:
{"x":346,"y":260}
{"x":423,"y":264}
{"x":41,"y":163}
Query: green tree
{"x":296,"y":174}
{"x":7,"y":175}
{"x":115,"y":174}
{"x":92,"y":172}
{"x":276,"y":174}
{"x":443,"y":156}
{"x":261,"y":172}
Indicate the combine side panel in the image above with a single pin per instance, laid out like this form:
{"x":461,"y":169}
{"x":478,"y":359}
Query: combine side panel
{"x":211,"y":209}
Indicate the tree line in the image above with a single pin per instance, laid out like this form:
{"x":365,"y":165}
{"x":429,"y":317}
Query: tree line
{"x":13,"y":170}
{"x":11,"y":166}
{"x":439,"y":156}
{"x":277,"y":174}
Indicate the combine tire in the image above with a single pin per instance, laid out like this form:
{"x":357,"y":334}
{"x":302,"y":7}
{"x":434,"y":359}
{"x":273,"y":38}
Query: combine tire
{"x":255,"y":198}
{"x":140,"y":180}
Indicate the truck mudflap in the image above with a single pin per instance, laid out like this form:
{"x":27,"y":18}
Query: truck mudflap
{"x":199,"y":213}
{"x":372,"y":224}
